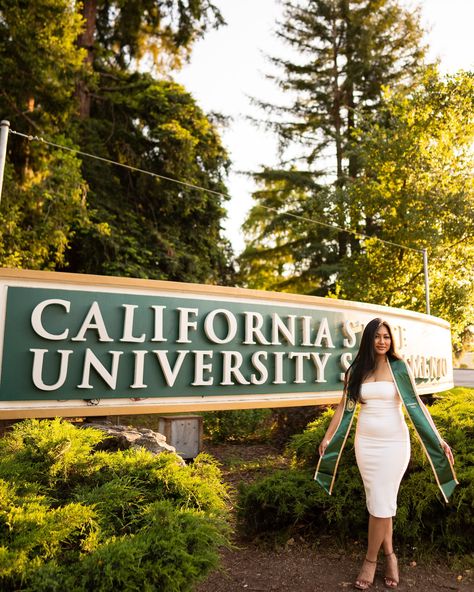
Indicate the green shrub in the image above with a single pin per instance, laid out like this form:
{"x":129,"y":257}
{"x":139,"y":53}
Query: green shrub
{"x":288,"y":499}
{"x":47,"y":452}
{"x":171,"y":551}
{"x":292,"y":499}
{"x":73,"y":518}
{"x":423,"y":514}
{"x":237,"y":425}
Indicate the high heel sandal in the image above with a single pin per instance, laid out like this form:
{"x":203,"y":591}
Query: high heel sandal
{"x":362,"y":583}
{"x":391,"y":581}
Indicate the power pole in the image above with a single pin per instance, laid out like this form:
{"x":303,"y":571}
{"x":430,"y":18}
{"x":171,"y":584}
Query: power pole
{"x":427,"y":283}
{"x":4,"y":130}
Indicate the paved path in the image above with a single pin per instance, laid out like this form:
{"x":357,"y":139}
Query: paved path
{"x":463,"y":377}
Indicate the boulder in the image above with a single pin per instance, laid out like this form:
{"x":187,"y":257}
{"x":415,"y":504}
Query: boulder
{"x":123,"y":437}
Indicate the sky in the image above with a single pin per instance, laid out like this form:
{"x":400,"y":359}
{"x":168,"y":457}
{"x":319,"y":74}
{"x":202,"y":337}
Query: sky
{"x":228,"y":67}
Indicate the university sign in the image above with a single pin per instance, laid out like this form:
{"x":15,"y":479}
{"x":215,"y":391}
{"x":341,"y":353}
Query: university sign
{"x":91,"y":345}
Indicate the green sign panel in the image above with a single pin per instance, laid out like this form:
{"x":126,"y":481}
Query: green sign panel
{"x":121,"y":345}
{"x":90,"y":345}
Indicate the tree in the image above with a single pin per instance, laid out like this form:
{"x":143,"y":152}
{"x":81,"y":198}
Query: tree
{"x":39,"y":216}
{"x":417,"y":189}
{"x":158,"y":228}
{"x":151,"y":226}
{"x":119,"y":34}
{"x":347,"y":51}
{"x":166,"y":29}
{"x":39,"y":63}
{"x":70,"y":74}
{"x":43,"y":196}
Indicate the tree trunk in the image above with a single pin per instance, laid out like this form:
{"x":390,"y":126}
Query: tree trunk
{"x":337,"y":119}
{"x":337,"y":122}
{"x":86,"y":41}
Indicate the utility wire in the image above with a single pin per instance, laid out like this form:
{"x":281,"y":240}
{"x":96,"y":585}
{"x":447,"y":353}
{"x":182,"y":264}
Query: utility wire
{"x":348,"y":230}
{"x":120,"y":164}
{"x":356,"y":233}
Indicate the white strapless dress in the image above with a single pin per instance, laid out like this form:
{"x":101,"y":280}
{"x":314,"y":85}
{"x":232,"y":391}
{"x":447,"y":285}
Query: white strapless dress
{"x":382,"y":446}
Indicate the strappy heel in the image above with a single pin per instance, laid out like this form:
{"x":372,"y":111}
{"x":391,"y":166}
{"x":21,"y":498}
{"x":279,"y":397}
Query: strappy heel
{"x":362,"y":583}
{"x":391,"y":581}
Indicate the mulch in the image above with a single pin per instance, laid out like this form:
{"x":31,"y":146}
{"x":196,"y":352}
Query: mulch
{"x":297,"y":567}
{"x":306,"y":566}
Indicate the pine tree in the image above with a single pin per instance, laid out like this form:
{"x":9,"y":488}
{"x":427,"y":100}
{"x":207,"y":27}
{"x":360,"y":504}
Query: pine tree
{"x":347,"y":51}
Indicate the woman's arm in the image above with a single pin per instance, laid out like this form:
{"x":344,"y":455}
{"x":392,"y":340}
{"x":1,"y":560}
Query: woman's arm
{"x":332,"y":427}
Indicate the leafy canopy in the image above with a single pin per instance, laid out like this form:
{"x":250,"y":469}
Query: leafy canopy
{"x":417,"y":189}
{"x":73,"y":73}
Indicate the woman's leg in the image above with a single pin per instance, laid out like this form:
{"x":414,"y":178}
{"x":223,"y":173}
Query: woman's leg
{"x":379,"y":532}
{"x":379,"y":529}
{"x":387,"y":542}
{"x":391,"y":564}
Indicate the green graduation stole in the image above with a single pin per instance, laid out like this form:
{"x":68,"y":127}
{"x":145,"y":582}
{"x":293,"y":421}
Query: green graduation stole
{"x":430,"y":440}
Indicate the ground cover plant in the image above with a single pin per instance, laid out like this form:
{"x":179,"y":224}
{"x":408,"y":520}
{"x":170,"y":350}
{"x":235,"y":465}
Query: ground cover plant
{"x":239,"y":425}
{"x":289,"y":500}
{"x":76,"y":518}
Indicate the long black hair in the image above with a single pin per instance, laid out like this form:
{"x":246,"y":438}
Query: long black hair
{"x":364,"y":362}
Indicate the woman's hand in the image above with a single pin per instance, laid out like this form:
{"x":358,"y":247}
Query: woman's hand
{"x":323,"y":446}
{"x":447,"y":451}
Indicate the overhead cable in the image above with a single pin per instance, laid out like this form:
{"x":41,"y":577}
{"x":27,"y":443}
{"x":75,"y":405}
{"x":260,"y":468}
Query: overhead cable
{"x":356,"y":233}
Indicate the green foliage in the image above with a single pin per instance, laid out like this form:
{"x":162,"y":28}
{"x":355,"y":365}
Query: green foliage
{"x":39,"y":62}
{"x":237,"y":425}
{"x":347,"y":51}
{"x":39,"y":216}
{"x":71,"y":74}
{"x":291,"y":499}
{"x":171,"y":551}
{"x":156,"y":229}
{"x":73,"y":518}
{"x":46,"y":453}
{"x":44,"y":193}
{"x":128,"y":30}
{"x":417,"y":190}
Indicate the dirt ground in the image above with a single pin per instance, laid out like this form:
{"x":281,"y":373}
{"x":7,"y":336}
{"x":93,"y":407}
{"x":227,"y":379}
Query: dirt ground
{"x":297,"y":565}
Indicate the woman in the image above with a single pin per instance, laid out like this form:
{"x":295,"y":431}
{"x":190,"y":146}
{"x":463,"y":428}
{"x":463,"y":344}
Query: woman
{"x":379,"y":379}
